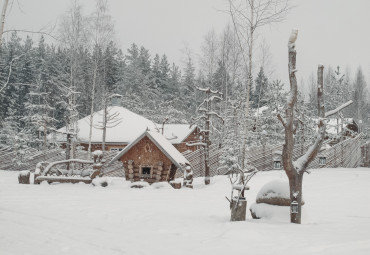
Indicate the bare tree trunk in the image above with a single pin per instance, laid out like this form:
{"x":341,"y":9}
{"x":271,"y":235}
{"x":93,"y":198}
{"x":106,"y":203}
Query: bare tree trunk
{"x":92,"y":106}
{"x":295,"y":184}
{"x":207,"y":177}
{"x":2,"y":24}
{"x":249,"y":79}
{"x":105,"y":113}
{"x":295,"y":170}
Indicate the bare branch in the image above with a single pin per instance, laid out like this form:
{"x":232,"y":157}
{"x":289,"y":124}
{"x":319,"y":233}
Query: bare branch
{"x":10,"y":71}
{"x":336,"y":110}
{"x":31,"y":32}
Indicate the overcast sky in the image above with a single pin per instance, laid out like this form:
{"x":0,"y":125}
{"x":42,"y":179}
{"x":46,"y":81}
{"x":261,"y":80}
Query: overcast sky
{"x":331,"y":32}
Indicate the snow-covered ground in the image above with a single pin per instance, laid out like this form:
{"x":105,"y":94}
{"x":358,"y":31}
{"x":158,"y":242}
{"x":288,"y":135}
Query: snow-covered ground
{"x":82,"y":219}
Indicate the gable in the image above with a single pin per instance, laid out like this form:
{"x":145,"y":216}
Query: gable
{"x":161,"y":143}
{"x":145,"y":152}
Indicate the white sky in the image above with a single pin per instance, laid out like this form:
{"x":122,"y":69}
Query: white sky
{"x":331,"y":32}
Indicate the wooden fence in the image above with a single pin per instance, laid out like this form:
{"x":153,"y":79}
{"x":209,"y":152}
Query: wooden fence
{"x":365,"y":154}
{"x":196,"y":160}
{"x":344,"y":154}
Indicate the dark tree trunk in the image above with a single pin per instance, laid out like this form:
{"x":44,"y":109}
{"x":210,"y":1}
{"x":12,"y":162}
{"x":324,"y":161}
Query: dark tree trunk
{"x":295,"y":184}
{"x":207,"y":176}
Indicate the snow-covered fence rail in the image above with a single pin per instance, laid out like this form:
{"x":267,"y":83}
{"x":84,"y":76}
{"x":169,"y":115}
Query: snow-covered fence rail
{"x":196,"y":160}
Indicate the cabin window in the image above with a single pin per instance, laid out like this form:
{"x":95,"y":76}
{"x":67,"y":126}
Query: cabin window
{"x":146,"y":172}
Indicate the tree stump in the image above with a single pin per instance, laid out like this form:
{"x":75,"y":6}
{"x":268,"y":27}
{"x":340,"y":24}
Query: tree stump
{"x":24,"y":177}
{"x":238,"y":210}
{"x":176,"y":185}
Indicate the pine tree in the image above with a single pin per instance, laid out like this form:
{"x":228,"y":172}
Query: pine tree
{"x":261,"y":84}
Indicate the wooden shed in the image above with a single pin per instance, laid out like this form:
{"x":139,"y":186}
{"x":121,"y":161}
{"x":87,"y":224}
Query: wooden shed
{"x":152,"y":158}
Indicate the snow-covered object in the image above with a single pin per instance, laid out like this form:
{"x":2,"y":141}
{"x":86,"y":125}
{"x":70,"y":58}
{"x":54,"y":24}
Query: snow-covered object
{"x":24,"y":177}
{"x":98,"y":153}
{"x":115,"y":182}
{"x":100,"y":181}
{"x":275,"y":192}
{"x":161,"y":185}
{"x":162,"y":143}
{"x":140,"y":184}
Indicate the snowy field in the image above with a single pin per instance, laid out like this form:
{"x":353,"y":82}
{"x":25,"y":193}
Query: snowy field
{"x":82,"y":219}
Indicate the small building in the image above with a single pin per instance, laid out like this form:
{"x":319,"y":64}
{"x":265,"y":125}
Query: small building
{"x":152,"y":158}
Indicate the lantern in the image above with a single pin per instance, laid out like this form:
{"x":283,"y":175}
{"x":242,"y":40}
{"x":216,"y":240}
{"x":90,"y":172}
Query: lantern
{"x":277,"y":164}
{"x":294,"y":207}
{"x":322,"y":160}
{"x":277,"y":157}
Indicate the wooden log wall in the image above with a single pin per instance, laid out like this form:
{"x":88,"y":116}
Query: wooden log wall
{"x":146,"y":154}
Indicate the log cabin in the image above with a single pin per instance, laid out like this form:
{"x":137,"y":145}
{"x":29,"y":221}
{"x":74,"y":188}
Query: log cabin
{"x":152,"y":158}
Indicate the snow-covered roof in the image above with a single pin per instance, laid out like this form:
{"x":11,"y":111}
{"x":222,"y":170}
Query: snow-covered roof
{"x":124,"y":128}
{"x":162,"y":143}
{"x":177,"y":133}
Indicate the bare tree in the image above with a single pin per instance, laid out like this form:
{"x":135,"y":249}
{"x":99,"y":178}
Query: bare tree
{"x":248,"y":16}
{"x":2,"y":21}
{"x":295,"y":169}
{"x":110,"y":119}
{"x":207,"y":114}
{"x":102,"y":33}
{"x":73,"y":35}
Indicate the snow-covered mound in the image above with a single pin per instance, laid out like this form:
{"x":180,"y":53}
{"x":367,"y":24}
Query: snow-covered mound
{"x":275,"y":192}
